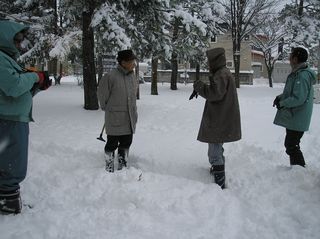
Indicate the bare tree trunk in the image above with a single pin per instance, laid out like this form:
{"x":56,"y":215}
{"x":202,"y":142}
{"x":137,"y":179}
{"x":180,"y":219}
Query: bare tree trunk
{"x":61,"y":69}
{"x":99,"y":54}
{"x":174,"y":58}
{"x":319,"y":62}
{"x":174,"y":72}
{"x":270,"y":77}
{"x":99,"y":67}
{"x":54,"y":65}
{"x":270,"y":65}
{"x":54,"y":61}
{"x":236,"y":59}
{"x":197,"y":72}
{"x":236,"y":28}
{"x":58,"y":78}
{"x":89,"y":73}
{"x":137,"y":79}
{"x":300,"y":8}
{"x":154,"y":76}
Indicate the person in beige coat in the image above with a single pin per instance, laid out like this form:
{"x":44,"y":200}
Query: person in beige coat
{"x":221,"y":116}
{"x":117,"y":97}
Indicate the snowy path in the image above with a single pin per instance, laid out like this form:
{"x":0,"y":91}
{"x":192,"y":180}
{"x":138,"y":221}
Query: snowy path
{"x":167,"y":192}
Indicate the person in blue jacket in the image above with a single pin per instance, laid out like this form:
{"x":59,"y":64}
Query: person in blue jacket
{"x":295,"y":104}
{"x":16,"y":90}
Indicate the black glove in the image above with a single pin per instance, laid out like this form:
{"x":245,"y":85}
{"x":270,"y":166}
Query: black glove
{"x":276,"y":103}
{"x":194,"y":94}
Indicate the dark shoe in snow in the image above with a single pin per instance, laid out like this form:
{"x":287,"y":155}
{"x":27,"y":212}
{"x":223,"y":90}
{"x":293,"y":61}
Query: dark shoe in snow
{"x":109,"y":161}
{"x":217,"y":171}
{"x":10,"y":202}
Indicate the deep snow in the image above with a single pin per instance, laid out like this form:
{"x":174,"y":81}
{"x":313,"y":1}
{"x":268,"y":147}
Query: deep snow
{"x":167,"y":191}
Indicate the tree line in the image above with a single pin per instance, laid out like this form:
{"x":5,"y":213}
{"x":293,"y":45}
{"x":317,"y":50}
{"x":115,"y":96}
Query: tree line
{"x":166,"y":30}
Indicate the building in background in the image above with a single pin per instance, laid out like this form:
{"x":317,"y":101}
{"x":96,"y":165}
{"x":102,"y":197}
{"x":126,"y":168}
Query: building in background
{"x":225,"y":41}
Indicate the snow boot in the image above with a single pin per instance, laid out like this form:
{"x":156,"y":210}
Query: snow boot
{"x":10,"y":202}
{"x":109,"y":156}
{"x":297,"y":161}
{"x":219,"y":175}
{"x":122,"y":158}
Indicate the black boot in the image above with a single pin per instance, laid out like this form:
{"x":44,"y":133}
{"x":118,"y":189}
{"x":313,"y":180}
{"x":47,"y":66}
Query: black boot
{"x":294,"y":160}
{"x":295,"y":154}
{"x":122,"y":158}
{"x":10,"y":202}
{"x":219,"y":175}
{"x":109,"y":156}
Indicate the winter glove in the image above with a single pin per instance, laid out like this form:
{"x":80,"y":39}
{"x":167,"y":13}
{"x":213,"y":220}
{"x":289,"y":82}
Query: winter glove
{"x":276,"y":103}
{"x":44,"y":80}
{"x":194,"y":94}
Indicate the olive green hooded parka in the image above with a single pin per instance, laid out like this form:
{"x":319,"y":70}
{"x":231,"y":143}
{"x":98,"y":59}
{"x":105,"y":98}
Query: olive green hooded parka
{"x":221,"y":115}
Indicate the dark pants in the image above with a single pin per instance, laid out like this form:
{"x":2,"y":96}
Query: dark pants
{"x":13,"y":153}
{"x":292,"y":144}
{"x":118,"y":141}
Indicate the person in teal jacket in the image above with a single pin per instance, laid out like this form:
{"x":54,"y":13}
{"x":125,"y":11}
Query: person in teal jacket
{"x":295,"y":104}
{"x":16,"y":88}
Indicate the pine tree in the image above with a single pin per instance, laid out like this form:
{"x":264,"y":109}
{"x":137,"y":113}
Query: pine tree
{"x":192,"y":25}
{"x":40,"y":17}
{"x":302,"y":21}
{"x":141,"y":25}
{"x":150,"y":32}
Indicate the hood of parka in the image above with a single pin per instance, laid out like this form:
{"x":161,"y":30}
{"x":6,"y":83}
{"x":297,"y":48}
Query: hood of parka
{"x":216,"y":59}
{"x":303,"y":67}
{"x":8,"y":29}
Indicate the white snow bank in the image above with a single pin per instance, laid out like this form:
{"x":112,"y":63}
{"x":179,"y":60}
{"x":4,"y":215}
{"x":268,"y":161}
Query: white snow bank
{"x":167,"y":192}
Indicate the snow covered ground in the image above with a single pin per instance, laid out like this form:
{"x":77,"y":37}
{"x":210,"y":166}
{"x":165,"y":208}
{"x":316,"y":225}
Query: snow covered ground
{"x":167,"y":192}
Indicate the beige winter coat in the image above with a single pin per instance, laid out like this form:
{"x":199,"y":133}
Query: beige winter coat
{"x":221,"y":116}
{"x":117,"y":97}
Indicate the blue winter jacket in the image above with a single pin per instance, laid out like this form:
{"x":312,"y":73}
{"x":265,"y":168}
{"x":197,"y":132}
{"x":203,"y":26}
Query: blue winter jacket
{"x":15,"y":84}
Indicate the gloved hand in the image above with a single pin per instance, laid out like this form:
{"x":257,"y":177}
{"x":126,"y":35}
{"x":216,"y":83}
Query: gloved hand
{"x":276,"y":103}
{"x":44,"y":80}
{"x":194,"y":94}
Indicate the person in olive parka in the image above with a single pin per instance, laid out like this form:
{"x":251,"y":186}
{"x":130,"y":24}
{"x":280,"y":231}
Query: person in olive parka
{"x":221,"y":116}
{"x":295,"y":104}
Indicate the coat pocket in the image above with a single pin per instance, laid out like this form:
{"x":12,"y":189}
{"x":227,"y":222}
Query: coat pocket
{"x":118,"y":115}
{"x":286,"y":113}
